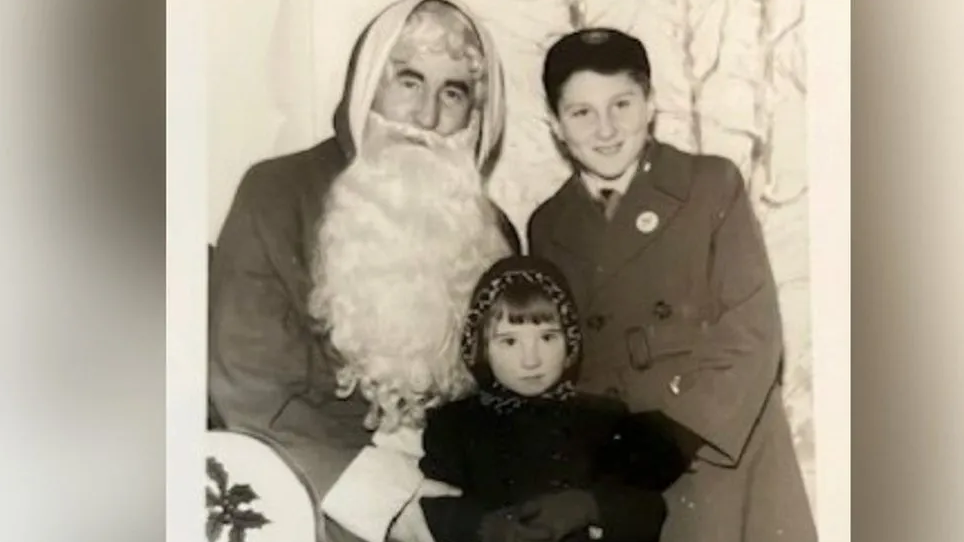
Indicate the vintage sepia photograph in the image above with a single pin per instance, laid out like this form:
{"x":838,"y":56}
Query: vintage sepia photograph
{"x":509,"y":271}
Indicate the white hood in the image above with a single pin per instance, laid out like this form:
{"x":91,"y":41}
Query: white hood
{"x":368,"y":63}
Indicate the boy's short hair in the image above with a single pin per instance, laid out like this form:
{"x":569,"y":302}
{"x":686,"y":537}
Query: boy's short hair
{"x":601,"y":50}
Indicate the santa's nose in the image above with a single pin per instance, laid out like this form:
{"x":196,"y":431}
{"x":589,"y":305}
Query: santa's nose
{"x":427,"y":115}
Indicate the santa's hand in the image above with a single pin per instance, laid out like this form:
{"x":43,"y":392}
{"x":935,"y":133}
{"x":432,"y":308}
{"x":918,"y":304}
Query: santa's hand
{"x":411,"y":526}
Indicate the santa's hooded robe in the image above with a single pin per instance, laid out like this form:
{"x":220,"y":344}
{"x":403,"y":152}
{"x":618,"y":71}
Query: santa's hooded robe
{"x":270,"y":374}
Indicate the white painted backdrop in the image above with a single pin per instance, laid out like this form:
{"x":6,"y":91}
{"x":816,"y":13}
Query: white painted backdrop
{"x":730,"y":79}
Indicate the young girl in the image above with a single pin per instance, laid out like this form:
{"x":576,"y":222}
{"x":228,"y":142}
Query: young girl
{"x":535,"y":460}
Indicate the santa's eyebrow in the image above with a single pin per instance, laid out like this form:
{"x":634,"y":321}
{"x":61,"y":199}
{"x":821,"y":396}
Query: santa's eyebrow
{"x":575,"y":106}
{"x":409,"y":72}
{"x":458,"y":84}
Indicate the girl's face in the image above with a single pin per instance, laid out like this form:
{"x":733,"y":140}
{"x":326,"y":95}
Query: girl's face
{"x":603,"y":121}
{"x":527,"y":358}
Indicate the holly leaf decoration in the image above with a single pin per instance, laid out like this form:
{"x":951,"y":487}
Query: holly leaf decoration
{"x":249,"y":519}
{"x":224,"y":505}
{"x":214,"y":527}
{"x":210,"y":499}
{"x":241,"y":494}
{"x":217,"y":473}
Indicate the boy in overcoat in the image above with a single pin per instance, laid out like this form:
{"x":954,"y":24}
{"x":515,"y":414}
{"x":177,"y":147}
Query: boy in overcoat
{"x":668,"y":266}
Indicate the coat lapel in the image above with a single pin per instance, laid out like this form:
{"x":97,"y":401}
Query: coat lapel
{"x":580,"y":227}
{"x":656,"y":194}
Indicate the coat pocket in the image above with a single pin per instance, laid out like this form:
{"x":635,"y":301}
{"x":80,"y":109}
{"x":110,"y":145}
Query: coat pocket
{"x":659,"y":355}
{"x":654,"y":343}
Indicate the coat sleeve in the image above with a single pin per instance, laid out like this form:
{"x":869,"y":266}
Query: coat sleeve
{"x":450,"y":519}
{"x":737,"y":356}
{"x":629,"y":514}
{"x":263,"y":355}
{"x":636,"y":462}
{"x":641,"y":451}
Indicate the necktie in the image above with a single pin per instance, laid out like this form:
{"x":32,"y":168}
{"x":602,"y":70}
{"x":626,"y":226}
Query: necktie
{"x":608,"y":201}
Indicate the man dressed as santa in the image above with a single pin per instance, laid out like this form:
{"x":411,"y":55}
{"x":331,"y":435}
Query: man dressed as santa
{"x":342,"y":274}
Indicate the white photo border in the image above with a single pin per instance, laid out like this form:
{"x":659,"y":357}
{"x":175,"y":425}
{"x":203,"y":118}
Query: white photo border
{"x":828,"y":143}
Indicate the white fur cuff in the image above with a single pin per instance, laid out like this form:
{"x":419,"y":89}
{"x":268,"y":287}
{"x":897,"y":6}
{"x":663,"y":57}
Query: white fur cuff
{"x":372,"y":491}
{"x":405,"y":440}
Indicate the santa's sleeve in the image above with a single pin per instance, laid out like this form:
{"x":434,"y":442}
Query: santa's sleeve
{"x":262,"y":350}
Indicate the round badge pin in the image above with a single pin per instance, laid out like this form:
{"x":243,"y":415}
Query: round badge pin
{"x":647,"y":222}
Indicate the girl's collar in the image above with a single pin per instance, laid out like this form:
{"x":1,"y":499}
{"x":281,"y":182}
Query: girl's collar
{"x":505,"y":401}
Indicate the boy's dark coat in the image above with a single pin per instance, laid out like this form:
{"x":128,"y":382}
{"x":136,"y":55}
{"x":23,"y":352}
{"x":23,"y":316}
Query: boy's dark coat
{"x":684,"y":319}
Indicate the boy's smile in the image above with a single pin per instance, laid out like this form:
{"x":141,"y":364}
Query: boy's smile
{"x":609,"y":150}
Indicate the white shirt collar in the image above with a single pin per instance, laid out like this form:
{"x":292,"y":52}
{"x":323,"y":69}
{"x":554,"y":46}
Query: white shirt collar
{"x":620,"y":185}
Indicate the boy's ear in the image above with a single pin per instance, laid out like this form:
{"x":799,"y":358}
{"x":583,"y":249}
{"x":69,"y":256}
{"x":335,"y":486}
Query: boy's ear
{"x":650,"y":105}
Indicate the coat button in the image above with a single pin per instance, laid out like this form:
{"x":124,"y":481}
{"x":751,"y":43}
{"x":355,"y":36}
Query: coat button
{"x":662,"y":310}
{"x":674,"y":385}
{"x":639,"y":363}
{"x":596,"y":322}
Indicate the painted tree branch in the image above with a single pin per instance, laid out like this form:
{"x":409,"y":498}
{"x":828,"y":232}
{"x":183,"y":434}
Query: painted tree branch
{"x":783,"y":32}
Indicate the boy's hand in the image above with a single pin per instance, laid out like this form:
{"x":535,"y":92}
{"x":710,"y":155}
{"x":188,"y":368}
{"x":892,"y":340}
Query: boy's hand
{"x":511,"y":525}
{"x":562,"y":512}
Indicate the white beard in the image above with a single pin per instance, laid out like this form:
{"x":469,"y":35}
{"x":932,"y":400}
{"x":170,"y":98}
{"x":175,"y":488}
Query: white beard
{"x":406,"y":234}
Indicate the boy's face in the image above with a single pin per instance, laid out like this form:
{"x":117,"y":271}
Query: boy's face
{"x":527,"y":358}
{"x":603,"y":121}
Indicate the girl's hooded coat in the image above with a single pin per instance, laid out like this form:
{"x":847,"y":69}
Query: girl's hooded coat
{"x":503,"y":449}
